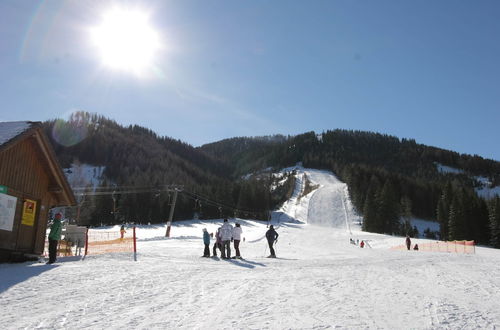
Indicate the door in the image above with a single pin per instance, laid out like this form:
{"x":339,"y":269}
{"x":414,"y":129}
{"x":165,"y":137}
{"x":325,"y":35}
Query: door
{"x":28,"y":220}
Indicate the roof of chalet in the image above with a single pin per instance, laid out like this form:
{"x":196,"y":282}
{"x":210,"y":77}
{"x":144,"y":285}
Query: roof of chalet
{"x":13,"y":132}
{"x":9,"y":130}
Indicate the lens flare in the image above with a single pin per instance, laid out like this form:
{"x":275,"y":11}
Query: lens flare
{"x":69,"y":133}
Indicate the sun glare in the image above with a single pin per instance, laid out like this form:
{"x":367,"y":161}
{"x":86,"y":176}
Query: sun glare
{"x":126,"y":41}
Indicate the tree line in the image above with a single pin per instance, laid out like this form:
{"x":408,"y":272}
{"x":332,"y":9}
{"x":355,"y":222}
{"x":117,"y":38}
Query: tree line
{"x":389,"y":179}
{"x":136,"y":157}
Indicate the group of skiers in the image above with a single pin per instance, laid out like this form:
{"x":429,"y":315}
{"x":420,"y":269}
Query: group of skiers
{"x":227,"y":234}
{"x":357,"y":242}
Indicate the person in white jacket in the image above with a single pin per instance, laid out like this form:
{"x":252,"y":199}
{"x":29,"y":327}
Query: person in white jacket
{"x":237,"y":239}
{"x":226,"y":233}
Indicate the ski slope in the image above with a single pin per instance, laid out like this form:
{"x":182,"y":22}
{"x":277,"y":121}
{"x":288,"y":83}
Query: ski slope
{"x":329,"y":205}
{"x":318,"y":281}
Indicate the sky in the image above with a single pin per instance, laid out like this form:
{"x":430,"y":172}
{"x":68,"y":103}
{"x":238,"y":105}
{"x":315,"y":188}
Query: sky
{"x":427,"y":70}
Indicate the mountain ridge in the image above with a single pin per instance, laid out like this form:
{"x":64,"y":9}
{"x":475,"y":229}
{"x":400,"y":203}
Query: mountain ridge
{"x":387,"y":177}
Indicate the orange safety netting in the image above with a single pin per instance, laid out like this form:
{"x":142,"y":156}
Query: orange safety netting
{"x":443,"y":246}
{"x":64,"y":249}
{"x":100,"y":242}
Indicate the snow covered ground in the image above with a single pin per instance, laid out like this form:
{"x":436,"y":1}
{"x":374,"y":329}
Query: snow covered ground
{"x":319,"y":279}
{"x":423,"y":225}
{"x":486,"y":190}
{"x":84,"y":175}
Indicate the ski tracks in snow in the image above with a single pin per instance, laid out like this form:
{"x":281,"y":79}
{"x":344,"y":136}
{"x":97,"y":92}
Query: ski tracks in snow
{"x":327,"y":206}
{"x":319,"y":281}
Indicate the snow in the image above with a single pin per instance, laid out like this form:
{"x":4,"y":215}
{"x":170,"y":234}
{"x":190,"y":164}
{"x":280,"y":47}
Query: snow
{"x":422,"y":225}
{"x":485,"y":191}
{"x":9,"y":130}
{"x":318,"y":281}
{"x":447,"y":169}
{"x":489,"y":193}
{"x":83,"y":175}
{"x":278,"y":184}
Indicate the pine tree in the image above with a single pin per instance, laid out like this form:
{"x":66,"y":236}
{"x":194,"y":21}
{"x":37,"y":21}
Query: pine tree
{"x":389,"y":210}
{"x":405,"y":227}
{"x":443,"y":211}
{"x":456,"y":220}
{"x":478,"y":219}
{"x":371,"y":219}
{"x":494,"y":217}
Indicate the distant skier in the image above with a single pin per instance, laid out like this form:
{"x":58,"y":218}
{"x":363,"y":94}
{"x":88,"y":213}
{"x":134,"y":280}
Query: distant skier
{"x":122,"y":232}
{"x":362,"y":244}
{"x":237,"y":238}
{"x":226,"y":233}
{"x":272,"y":237}
{"x":54,"y":237}
{"x":415,"y":248}
{"x":218,"y":243}
{"x":408,"y":242}
{"x":206,"y":241}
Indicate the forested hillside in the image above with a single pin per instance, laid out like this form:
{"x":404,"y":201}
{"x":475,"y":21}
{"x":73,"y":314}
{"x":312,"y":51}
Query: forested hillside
{"x":134,"y":156}
{"x":389,"y":179}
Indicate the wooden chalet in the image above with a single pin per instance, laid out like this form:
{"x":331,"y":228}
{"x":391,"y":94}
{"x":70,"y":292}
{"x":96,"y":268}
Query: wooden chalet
{"x":31,"y":183}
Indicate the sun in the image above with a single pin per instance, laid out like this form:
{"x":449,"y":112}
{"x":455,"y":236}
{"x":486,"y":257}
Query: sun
{"x":125,"y":40}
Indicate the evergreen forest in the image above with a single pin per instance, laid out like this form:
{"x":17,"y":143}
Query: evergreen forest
{"x":390,"y":180}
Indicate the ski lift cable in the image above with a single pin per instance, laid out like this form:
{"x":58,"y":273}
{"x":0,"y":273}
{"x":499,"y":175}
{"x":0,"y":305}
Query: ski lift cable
{"x":120,"y":191}
{"x":208,"y":201}
{"x":218,"y":204}
{"x":117,"y":187}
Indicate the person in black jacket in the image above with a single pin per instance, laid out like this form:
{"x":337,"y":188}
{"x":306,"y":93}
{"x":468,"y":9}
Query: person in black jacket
{"x":272,"y":237}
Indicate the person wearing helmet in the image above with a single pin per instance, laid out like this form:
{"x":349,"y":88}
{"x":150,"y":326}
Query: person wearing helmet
{"x":54,"y":237}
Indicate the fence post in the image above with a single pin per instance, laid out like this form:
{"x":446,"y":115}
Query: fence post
{"x":86,"y":243}
{"x":135,"y":247}
{"x":171,"y":214}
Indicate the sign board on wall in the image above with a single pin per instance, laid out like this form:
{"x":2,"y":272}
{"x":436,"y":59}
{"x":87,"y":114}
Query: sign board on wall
{"x":7,"y":211}
{"x":29,"y":209}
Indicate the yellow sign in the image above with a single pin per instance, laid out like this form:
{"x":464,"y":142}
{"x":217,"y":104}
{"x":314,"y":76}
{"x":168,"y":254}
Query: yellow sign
{"x":29,"y":209}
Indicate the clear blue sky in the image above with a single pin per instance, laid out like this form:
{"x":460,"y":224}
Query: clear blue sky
{"x":428,"y":70}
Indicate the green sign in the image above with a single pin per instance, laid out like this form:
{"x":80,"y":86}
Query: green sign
{"x":3,"y":189}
